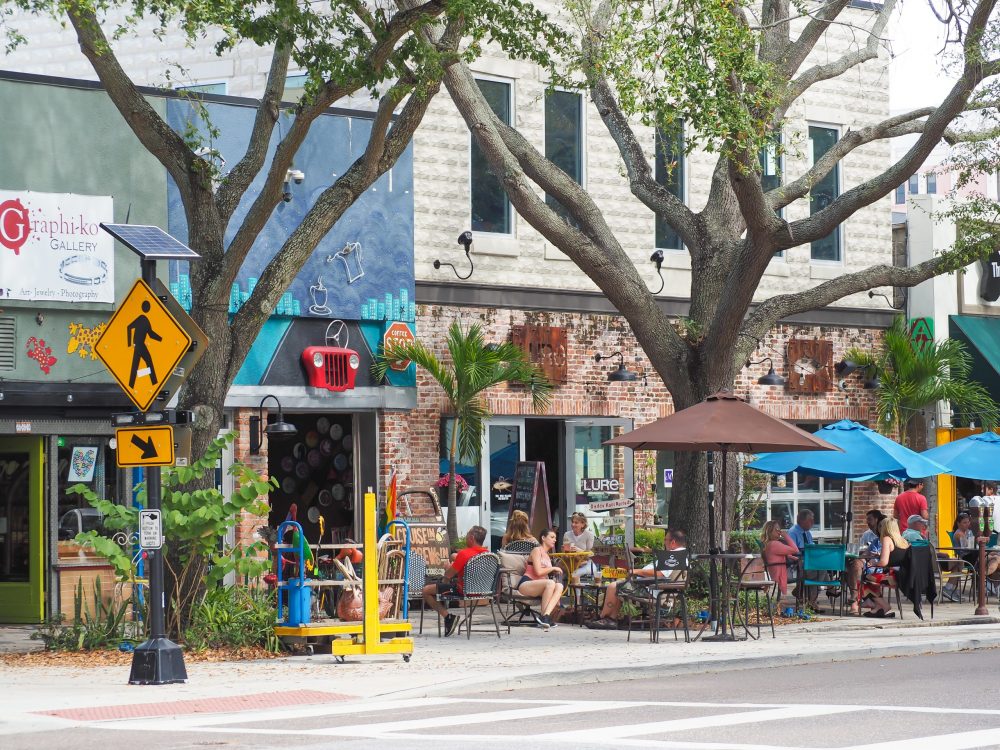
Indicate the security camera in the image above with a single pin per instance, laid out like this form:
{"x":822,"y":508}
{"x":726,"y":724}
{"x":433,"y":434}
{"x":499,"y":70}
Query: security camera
{"x":656,"y":257}
{"x":842,"y":384}
{"x":465,"y":239}
{"x":297,"y":175}
{"x":286,"y":194}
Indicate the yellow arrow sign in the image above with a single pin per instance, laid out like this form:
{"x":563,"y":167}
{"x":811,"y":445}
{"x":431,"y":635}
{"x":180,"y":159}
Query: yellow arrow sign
{"x":145,"y":446}
{"x":142,"y":345}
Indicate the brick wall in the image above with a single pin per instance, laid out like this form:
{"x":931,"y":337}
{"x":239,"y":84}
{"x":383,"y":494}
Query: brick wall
{"x":410,"y":441}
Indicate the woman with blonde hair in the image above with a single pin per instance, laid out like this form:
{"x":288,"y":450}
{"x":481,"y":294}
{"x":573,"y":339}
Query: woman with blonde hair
{"x":778,"y":552}
{"x":893,"y":553}
{"x":519,"y":529}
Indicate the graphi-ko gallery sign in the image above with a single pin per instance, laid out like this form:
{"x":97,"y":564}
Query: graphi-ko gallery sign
{"x":53,"y":249}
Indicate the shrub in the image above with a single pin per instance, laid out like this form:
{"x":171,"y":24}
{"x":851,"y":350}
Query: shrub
{"x":233,"y":616}
{"x":100,"y":626}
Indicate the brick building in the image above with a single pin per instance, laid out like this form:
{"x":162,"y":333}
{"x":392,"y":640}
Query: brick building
{"x":520,"y":280}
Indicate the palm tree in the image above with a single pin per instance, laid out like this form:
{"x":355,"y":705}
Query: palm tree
{"x":914,"y":377}
{"x":475,"y":366}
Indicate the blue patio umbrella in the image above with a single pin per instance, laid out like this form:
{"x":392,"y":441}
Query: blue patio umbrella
{"x":865,"y":455}
{"x":973,"y":457}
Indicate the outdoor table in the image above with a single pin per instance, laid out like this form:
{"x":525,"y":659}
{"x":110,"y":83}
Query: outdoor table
{"x":599,"y":589}
{"x":720,"y":629}
{"x":570,"y":561}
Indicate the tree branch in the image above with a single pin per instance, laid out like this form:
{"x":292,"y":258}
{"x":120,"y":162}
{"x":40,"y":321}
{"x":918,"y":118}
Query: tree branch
{"x":239,"y":179}
{"x":799,"y":50}
{"x":824,"y":72}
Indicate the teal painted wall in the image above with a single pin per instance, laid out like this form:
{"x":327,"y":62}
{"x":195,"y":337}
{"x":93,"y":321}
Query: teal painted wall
{"x":59,"y":139}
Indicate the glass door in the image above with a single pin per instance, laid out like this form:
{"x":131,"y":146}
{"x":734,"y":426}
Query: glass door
{"x":600,"y":479}
{"x":503,"y":447}
{"x":21,"y":540}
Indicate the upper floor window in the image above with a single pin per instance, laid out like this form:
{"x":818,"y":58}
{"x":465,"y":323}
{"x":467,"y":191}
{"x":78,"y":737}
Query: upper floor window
{"x":900,"y":195}
{"x":295,"y":87}
{"x":204,"y":88}
{"x":669,"y":172}
{"x":914,"y":184}
{"x":564,"y":137}
{"x":824,"y":191}
{"x":771,"y":166}
{"x":931,"y":179}
{"x":490,"y":205}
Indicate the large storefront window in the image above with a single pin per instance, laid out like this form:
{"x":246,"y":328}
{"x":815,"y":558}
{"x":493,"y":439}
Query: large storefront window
{"x":86,"y":460}
{"x":791,"y":493}
{"x":598,"y":487}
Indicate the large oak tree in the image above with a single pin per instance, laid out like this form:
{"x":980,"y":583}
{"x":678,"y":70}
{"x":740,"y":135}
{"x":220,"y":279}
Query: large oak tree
{"x":730,"y":71}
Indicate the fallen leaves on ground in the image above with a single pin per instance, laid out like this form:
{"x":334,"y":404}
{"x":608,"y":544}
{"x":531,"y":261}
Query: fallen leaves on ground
{"x":124,"y":658}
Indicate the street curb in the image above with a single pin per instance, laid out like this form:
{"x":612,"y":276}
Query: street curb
{"x":550,"y":678}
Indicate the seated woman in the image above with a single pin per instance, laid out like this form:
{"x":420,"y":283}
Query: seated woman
{"x":580,"y":539}
{"x":965,"y":539}
{"x":536,"y":581}
{"x":893,"y":552}
{"x":779,"y":551}
{"x":518,"y":530}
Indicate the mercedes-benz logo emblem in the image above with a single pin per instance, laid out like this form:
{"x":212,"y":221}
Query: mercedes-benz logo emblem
{"x":337,"y":334}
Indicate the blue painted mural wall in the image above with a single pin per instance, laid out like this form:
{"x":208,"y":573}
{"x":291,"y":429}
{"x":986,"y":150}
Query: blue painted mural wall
{"x":361,"y":271}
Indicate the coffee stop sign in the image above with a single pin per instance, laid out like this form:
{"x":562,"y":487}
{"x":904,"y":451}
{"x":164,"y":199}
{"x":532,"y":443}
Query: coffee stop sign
{"x":398,"y":333}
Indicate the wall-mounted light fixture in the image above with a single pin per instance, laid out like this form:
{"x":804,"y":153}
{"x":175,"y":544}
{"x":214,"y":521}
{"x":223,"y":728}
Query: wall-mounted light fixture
{"x":278,"y":429}
{"x":465,"y":240}
{"x":845,"y":367}
{"x":620,"y":375}
{"x":873,"y":294}
{"x":657,"y":259}
{"x":771,"y":378}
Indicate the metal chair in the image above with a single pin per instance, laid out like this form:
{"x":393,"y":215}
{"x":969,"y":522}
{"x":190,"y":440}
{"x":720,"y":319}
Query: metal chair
{"x":416,"y":580}
{"x":480,"y":581}
{"x":824,"y":558}
{"x":649,"y":593}
{"x":520,"y":546}
{"x":513,"y":559}
{"x":755,"y":579}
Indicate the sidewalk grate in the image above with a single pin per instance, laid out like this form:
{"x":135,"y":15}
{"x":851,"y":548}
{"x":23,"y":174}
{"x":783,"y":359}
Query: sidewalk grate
{"x":225,"y":704}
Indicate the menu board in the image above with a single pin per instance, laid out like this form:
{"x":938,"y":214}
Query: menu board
{"x":531,"y":495}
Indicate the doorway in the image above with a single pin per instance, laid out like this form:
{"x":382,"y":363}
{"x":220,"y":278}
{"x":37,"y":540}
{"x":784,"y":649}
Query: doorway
{"x":22,"y":547}
{"x":543,"y":441}
{"x":503,"y":448}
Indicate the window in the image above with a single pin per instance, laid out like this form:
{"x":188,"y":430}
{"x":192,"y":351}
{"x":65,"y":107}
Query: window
{"x":931,"y":183}
{"x":824,"y":192}
{"x":490,"y":205}
{"x":900,"y":195}
{"x":295,"y":87}
{"x":204,"y":88}
{"x":790,"y":493}
{"x":669,"y":170}
{"x":914,"y":185}
{"x":771,"y":165}
{"x":564,"y":137}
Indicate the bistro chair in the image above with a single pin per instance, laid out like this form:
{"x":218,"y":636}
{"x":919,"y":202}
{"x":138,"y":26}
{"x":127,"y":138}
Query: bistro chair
{"x":415,"y":581}
{"x":754,"y":580}
{"x":824,"y":558}
{"x":648,"y":593}
{"x":480,"y":581}
{"x":513,"y":561}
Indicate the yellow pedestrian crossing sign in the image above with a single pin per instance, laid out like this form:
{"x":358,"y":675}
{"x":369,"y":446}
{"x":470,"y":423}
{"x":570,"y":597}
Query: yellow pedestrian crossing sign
{"x":142,"y":345}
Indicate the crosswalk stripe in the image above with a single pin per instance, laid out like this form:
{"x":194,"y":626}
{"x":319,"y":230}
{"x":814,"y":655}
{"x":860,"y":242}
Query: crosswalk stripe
{"x":696,"y":722}
{"x":954,"y":741}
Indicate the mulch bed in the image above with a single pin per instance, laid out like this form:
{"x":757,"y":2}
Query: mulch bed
{"x":124,"y":658}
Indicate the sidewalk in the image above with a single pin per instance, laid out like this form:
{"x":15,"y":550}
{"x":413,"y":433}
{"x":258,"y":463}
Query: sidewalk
{"x":528,"y":657}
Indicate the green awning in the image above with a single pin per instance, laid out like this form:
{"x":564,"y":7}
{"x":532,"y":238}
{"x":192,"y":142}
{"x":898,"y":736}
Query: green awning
{"x":982,"y":337}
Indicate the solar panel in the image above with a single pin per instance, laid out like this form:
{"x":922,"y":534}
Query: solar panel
{"x":150,"y":242}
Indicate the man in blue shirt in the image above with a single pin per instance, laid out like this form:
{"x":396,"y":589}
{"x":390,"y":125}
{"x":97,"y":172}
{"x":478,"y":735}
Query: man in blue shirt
{"x":801,"y":534}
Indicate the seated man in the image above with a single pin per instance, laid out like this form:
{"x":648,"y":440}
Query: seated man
{"x":916,"y":529}
{"x":869,"y":545}
{"x":453,"y":577}
{"x":801,"y":534}
{"x":610,"y":612}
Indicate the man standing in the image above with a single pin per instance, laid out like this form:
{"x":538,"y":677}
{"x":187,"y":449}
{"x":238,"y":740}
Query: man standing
{"x":454,"y":577}
{"x":910,"y":503}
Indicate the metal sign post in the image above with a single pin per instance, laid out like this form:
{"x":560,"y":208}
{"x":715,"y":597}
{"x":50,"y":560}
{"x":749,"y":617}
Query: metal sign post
{"x":148,"y":345}
{"x":158,"y":661}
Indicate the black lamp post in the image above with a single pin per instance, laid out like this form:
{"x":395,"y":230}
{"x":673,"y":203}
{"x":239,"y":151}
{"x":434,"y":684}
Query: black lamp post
{"x":621,"y":375}
{"x":279,"y":428}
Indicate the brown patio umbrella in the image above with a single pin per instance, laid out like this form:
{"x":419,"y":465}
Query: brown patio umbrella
{"x":722,"y":422}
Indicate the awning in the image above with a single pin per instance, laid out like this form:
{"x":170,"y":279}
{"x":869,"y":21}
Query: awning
{"x":982,"y":337}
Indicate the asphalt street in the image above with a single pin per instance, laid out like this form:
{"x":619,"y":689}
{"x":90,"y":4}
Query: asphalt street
{"x":938,"y":702}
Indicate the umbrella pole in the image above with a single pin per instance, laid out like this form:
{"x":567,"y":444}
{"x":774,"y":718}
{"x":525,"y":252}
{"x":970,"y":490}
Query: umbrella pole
{"x":713,"y":575}
{"x":724,"y":604}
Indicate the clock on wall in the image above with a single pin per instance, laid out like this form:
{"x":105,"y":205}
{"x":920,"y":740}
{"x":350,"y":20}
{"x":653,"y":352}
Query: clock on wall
{"x":810,"y":364}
